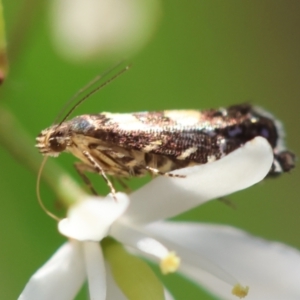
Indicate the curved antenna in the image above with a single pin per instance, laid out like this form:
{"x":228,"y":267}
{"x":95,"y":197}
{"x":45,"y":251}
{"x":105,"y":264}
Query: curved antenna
{"x":49,"y":213}
{"x":94,"y":90}
{"x":92,"y":82}
{"x":98,"y":77}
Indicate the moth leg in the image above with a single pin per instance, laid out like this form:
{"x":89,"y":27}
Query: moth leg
{"x":122,"y":183}
{"x":157,"y":172}
{"x":100,"y":171}
{"x":124,"y":186}
{"x":81,"y":168}
{"x":227,"y":202}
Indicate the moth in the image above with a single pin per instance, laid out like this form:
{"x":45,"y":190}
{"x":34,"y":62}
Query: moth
{"x":134,"y":144}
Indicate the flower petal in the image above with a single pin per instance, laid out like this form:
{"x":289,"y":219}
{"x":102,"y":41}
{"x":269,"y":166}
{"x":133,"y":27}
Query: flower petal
{"x":89,"y":220}
{"x":270,"y":269}
{"x":136,"y":238}
{"x":95,"y":269}
{"x":165,"y":197}
{"x":60,"y":277}
{"x":168,"y":295}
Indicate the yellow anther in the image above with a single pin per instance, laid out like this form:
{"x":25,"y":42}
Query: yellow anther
{"x":240,"y":291}
{"x":170,"y":263}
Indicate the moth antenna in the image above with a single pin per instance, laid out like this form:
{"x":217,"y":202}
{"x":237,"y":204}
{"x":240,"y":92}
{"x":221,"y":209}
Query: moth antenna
{"x":91,"y":83}
{"x":83,"y":89}
{"x":49,"y":213}
{"x":96,"y":79}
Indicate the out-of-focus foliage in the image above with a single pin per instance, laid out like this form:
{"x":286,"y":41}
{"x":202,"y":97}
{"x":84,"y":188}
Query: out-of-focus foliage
{"x":204,"y":54}
{"x":3,"y":58}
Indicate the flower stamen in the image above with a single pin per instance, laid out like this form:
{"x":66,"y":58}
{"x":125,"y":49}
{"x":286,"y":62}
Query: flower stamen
{"x":170,"y":263}
{"x":240,"y":291}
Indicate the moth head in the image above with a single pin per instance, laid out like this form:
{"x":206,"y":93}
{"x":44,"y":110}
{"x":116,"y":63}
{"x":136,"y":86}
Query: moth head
{"x":52,"y":141}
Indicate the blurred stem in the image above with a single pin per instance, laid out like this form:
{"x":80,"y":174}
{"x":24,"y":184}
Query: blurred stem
{"x":20,"y":145}
{"x":24,"y":20}
{"x":3,"y":55}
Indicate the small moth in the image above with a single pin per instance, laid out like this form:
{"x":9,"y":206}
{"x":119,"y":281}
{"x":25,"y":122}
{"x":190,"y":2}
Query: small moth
{"x":134,"y":144}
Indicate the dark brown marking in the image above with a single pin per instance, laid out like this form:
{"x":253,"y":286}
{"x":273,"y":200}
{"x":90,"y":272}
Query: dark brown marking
{"x":157,"y":172}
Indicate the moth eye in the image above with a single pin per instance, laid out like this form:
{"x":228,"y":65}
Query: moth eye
{"x":56,"y":145}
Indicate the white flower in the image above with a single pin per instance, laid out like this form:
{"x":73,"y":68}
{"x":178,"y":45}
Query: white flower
{"x":216,"y":257}
{"x":270,"y":269}
{"x":93,"y":29}
{"x":63,"y":275}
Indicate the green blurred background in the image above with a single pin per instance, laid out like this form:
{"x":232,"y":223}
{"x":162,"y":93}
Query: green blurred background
{"x":204,"y":54}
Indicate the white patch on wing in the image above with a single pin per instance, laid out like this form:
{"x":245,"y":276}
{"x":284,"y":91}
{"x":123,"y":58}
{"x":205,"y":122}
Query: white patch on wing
{"x":222,"y":146}
{"x":187,"y":153}
{"x":152,"y":146}
{"x":278,"y":168}
{"x":211,"y":158}
{"x":126,"y":122}
{"x":184,"y":117}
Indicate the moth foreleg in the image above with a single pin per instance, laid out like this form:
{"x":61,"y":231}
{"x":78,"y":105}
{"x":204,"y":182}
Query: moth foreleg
{"x":227,"y":202}
{"x":122,"y":183}
{"x":81,"y":168}
{"x":157,"y":172}
{"x":98,"y":169}
{"x":126,"y":188}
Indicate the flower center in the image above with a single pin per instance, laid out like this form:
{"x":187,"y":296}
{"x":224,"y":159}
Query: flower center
{"x":240,"y":291}
{"x":170,"y":263}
